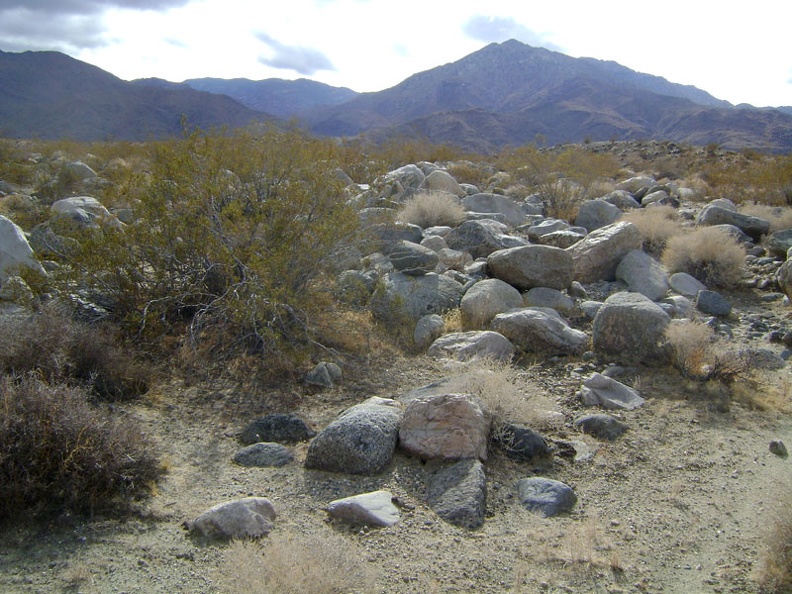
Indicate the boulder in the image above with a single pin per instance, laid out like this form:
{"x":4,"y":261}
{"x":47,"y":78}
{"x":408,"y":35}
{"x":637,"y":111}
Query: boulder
{"x":15,"y":252}
{"x":713,"y":214}
{"x":85,"y":204}
{"x":622,"y":200}
{"x":778,"y":243}
{"x":250,"y":517}
{"x":686,"y":284}
{"x":399,"y":297}
{"x":564,"y":238}
{"x":264,"y":455}
{"x":544,"y":297}
{"x":606,"y":392}
{"x":595,"y":214}
{"x":324,"y":375}
{"x":712,"y":303}
{"x":475,"y":344}
{"x":783,"y":277}
{"x":367,"y":509}
{"x":546,"y":496}
{"x":643,"y":274}
{"x":361,"y":440}
{"x":445,"y":427}
{"x":485,"y":299}
{"x":596,"y":256}
{"x":440,"y":180}
{"x":601,"y":426}
{"x":520,"y":443}
{"x":544,"y":226}
{"x":458,"y":493}
{"x":531,"y":266}
{"x":388,"y":234}
{"x":496,"y":204}
{"x":278,"y":427}
{"x":482,"y":237}
{"x":539,"y":330}
{"x":412,"y":259}
{"x":637,"y":183}
{"x":630,"y":327}
{"x":428,"y":329}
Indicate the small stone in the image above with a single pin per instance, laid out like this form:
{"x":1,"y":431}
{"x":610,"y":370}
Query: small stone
{"x":547,"y":496}
{"x":778,"y":448}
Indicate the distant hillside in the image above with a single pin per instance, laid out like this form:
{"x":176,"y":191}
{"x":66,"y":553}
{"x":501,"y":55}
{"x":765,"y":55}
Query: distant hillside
{"x":508,"y":93}
{"x":49,"y":95}
{"x":279,"y":97}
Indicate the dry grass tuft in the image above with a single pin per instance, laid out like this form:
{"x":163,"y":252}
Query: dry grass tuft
{"x":430,"y":209}
{"x":774,"y":573}
{"x":780,"y":217}
{"x":700,"y":355}
{"x":290,"y":563}
{"x":709,"y":254}
{"x":657,"y":225}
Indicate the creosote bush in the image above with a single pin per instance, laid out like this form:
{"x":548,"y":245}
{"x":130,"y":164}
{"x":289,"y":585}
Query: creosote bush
{"x":60,"y":454}
{"x":709,"y":254}
{"x":290,"y":563}
{"x":430,"y":209}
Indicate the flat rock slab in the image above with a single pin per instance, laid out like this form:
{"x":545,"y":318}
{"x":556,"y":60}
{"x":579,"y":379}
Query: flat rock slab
{"x":604,"y":391}
{"x":546,"y":496}
{"x":368,"y":509}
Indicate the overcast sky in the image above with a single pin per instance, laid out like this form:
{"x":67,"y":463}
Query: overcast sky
{"x":738,"y":51}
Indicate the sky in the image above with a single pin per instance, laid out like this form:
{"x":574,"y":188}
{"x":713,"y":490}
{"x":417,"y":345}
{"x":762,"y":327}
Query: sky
{"x":737,"y":51}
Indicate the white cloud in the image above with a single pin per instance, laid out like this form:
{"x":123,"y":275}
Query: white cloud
{"x":492,"y":29}
{"x":302,"y":60}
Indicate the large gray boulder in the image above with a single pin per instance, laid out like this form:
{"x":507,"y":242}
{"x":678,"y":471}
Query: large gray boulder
{"x":630,"y":328}
{"x":784,"y":278}
{"x":475,"y":344}
{"x":412,"y":259}
{"x":486,"y":299}
{"x":635,"y":184}
{"x":606,"y":392}
{"x":250,"y":517}
{"x":643,"y":274}
{"x":482,"y":237}
{"x":540,"y":331}
{"x":778,"y":243}
{"x":496,"y":204}
{"x":15,"y":252}
{"x":685,"y":284}
{"x":445,"y":427}
{"x":359,"y":441}
{"x":545,"y":226}
{"x":400,"y":297}
{"x":595,"y":214}
{"x":714,"y":214}
{"x":553,"y":299}
{"x":546,"y":496}
{"x":440,"y":180}
{"x":596,"y":256}
{"x":458,"y":493}
{"x":532,"y":266}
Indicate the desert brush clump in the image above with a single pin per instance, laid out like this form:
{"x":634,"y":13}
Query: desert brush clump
{"x":60,"y":454}
{"x":57,"y":348}
{"x":657,"y":225}
{"x":774,"y":570}
{"x":709,"y":254}
{"x":290,"y":563}
{"x":430,"y":209}
{"x":700,"y":354}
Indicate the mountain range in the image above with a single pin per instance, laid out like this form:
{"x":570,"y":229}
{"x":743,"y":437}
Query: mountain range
{"x":504,"y":94}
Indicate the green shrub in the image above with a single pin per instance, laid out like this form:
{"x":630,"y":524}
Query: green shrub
{"x":709,"y":254}
{"x":58,"y":454}
{"x":429,"y":209}
{"x":232,"y":232}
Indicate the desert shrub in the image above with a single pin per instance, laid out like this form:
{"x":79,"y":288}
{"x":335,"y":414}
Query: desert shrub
{"x":232,"y":232}
{"x":656,"y":225}
{"x":699,"y":354}
{"x":60,"y":349}
{"x":429,"y":209}
{"x":59,"y":454}
{"x":290,"y":563}
{"x":774,"y":572}
{"x":709,"y":254}
{"x":751,"y":176}
{"x":779,"y":217}
{"x":23,"y":210}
